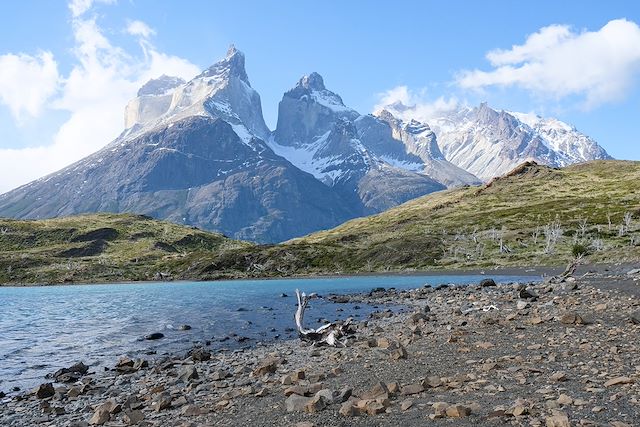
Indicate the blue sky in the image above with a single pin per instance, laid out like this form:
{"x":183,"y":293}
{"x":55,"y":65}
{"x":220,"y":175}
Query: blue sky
{"x":81,"y":60}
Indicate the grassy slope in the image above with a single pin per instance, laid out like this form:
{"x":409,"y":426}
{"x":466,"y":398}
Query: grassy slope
{"x":513,"y":208}
{"x":100,"y":247}
{"x":459,"y":228}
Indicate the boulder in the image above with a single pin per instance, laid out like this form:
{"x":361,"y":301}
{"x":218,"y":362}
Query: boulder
{"x":45,"y":390}
{"x":485,"y":283}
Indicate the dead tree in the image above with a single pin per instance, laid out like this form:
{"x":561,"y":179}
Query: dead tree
{"x":331,"y":334}
{"x":568,"y":272}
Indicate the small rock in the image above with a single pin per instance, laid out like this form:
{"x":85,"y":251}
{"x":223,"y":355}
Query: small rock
{"x":485,"y":283}
{"x":559,"y":419}
{"x":519,"y":410}
{"x":45,"y":390}
{"x":348,"y":410}
{"x":268,"y":366}
{"x":565,"y":400}
{"x":199,"y":354}
{"x":184,"y":328}
{"x":316,"y":404}
{"x":154,"y":336}
{"x":191,"y":411}
{"x":162,"y":401}
{"x":188,"y":373}
{"x":406,"y":404}
{"x":344,"y":394}
{"x":618,"y":381}
{"x":572,"y":319}
{"x":296,"y":403}
{"x":559,"y":376}
{"x":133,"y":417}
{"x":100,"y":416}
{"x":373,"y":407}
{"x":378,"y":390}
{"x":410,"y":389}
{"x":458,"y":411}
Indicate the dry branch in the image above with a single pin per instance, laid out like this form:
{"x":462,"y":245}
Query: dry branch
{"x":330,"y":334}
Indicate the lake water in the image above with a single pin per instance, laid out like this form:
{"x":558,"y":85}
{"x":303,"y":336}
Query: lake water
{"x":43,"y":329}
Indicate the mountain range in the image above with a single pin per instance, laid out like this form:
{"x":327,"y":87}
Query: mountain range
{"x":199,"y":153}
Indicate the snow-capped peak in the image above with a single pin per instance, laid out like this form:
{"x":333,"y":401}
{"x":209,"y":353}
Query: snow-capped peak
{"x":312,"y":81}
{"x":231,"y":66}
{"x":161,"y":86}
{"x":222,"y":91}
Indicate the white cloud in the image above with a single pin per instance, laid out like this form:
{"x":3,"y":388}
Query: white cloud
{"x":94,"y":93}
{"x":407,"y":104}
{"x":80,"y":7}
{"x":556,"y":62}
{"x":139,"y":28}
{"x":27,"y":82}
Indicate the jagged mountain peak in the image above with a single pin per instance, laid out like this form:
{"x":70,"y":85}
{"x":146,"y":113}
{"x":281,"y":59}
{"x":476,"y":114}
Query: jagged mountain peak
{"x":233,"y":64}
{"x":313,"y":81}
{"x":222,"y":90}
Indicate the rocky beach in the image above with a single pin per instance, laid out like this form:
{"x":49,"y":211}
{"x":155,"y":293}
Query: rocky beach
{"x":539,"y":354}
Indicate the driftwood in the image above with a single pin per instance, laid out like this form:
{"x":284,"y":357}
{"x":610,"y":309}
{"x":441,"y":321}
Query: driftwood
{"x":331,"y":334}
{"x":568,"y":272}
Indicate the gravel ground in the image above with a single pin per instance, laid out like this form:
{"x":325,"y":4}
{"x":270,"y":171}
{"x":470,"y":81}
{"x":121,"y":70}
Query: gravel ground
{"x":544,"y":354}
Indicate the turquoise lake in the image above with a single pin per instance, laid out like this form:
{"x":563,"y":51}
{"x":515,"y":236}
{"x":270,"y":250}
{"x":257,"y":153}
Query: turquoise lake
{"x":43,"y":329}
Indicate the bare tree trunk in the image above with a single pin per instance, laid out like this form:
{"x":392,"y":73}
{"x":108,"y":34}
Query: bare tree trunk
{"x":329,"y":334}
{"x":568,"y":272}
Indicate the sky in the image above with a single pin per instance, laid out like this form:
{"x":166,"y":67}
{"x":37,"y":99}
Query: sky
{"x":68,"y":68}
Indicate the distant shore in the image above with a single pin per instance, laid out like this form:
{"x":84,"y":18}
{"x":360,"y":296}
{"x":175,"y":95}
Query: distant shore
{"x":503,"y":271}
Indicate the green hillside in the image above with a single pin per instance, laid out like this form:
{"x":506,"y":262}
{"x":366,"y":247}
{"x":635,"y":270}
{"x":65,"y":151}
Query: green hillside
{"x":101,"y":247}
{"x":533,"y":216}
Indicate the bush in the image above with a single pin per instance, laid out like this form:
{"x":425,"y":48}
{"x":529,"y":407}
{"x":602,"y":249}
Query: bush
{"x":579,"y":249}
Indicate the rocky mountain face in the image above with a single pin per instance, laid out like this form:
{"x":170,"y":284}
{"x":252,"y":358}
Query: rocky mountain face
{"x":191,"y":154}
{"x":200,"y":153}
{"x":490,"y":143}
{"x":363,"y":157}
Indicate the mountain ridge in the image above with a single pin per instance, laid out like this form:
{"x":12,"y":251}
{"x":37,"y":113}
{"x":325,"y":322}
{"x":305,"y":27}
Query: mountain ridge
{"x":198,"y":152}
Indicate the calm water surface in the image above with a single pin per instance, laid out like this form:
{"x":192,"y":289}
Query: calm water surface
{"x":45,"y":328}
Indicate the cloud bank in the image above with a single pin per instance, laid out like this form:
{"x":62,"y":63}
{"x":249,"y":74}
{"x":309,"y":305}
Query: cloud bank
{"x":557,"y":62}
{"x":94,"y":93}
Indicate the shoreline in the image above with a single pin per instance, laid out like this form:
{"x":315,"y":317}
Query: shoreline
{"x":502,"y":271}
{"x":525,"y":362}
